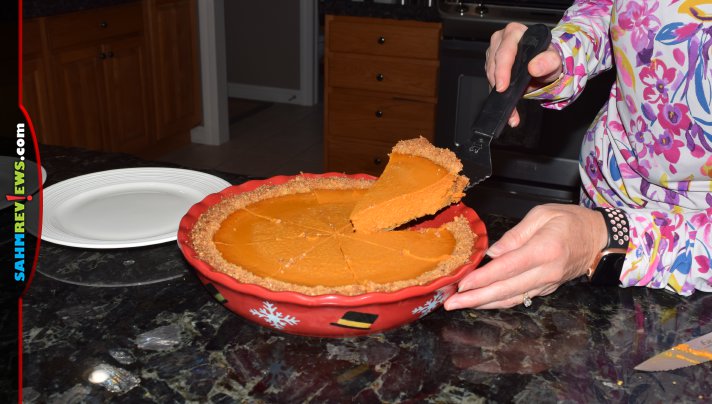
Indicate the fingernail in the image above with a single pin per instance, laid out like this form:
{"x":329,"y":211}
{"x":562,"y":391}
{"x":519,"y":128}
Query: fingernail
{"x":494,"y":249}
{"x":511,"y":122}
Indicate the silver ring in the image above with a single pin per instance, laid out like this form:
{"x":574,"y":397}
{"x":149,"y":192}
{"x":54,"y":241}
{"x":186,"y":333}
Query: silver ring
{"x":527,"y":300}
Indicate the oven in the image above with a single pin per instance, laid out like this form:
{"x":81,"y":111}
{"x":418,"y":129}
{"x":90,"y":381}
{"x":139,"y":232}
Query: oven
{"x":537,"y":162}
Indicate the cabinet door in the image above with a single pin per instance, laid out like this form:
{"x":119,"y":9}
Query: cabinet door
{"x":35,"y":99}
{"x":126,"y":80}
{"x":175,"y":66}
{"x":79,"y":96}
{"x":35,"y":94}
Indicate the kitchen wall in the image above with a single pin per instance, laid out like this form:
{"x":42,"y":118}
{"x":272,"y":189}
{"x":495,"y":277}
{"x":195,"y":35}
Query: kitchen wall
{"x":262,"y":44}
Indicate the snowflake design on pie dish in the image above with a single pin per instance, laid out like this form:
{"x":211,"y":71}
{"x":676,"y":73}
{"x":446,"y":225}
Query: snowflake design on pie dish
{"x":432,"y":304}
{"x":269,"y":313}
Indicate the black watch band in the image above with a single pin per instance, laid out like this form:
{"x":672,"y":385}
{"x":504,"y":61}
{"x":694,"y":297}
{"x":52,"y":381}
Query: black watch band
{"x":606,"y":268}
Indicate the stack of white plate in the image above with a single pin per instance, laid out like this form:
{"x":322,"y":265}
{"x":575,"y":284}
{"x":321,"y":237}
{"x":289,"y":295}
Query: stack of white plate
{"x":123,"y":208}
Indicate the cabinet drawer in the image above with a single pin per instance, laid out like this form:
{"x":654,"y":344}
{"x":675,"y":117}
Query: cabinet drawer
{"x":407,"y":77}
{"x":384,"y":119}
{"x":356,"y":156}
{"x":384,"y":37}
{"x":94,"y":25}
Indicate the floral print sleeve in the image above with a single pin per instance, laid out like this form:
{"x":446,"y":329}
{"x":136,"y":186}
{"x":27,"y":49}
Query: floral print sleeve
{"x":649,"y":151}
{"x":584,"y":45}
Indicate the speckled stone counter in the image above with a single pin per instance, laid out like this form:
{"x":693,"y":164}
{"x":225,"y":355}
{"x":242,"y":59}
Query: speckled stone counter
{"x":409,"y":10}
{"x":578,"y":345}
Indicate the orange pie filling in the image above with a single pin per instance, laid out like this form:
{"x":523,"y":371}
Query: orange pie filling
{"x":298,"y":236}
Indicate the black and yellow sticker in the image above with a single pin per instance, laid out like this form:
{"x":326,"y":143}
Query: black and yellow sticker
{"x":214,"y":293}
{"x":354,"y":319}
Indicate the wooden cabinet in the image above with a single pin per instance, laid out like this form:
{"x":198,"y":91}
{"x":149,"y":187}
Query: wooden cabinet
{"x":35,"y":94}
{"x":396,"y":76}
{"x":108,"y":74}
{"x":99,"y":81}
{"x":79,"y":100}
{"x":173,"y":35}
{"x":380,"y":87}
{"x":128,"y":106}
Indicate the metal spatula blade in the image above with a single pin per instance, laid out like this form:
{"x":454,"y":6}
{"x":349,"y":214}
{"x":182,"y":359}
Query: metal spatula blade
{"x":475,"y":153}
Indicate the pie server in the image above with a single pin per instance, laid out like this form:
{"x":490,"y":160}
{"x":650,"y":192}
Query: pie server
{"x":693,"y":352}
{"x":475,"y":152}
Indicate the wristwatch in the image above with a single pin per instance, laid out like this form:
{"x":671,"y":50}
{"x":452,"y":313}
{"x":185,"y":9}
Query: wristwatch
{"x":606,"y":267}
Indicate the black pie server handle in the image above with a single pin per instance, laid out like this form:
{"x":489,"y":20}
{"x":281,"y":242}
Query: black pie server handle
{"x":499,"y":106}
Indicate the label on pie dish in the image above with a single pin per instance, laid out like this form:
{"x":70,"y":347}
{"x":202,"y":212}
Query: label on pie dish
{"x":298,"y":236}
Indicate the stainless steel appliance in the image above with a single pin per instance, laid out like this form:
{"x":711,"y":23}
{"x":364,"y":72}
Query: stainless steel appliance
{"x":537,"y":162}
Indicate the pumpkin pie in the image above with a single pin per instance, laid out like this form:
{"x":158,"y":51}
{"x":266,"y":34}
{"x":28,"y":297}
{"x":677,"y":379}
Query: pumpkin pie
{"x":298,"y":236}
{"x":418,"y":180}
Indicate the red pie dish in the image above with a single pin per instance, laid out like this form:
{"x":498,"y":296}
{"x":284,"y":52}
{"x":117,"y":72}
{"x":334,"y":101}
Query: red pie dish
{"x":330,"y":314}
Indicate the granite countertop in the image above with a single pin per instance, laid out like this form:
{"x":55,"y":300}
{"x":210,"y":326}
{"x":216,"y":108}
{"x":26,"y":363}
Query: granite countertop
{"x":170,"y":341}
{"x":418,"y":10}
{"x":44,"y":8}
{"x":411,"y":10}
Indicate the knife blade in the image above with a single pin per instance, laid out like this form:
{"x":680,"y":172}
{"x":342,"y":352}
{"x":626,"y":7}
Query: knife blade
{"x":475,"y":151}
{"x":693,"y":352}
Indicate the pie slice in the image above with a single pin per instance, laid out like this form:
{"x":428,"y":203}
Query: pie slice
{"x":321,"y":267}
{"x":305,"y":211}
{"x":419,"y":180}
{"x":398,"y":259}
{"x":297,"y":236}
{"x":252,"y":240}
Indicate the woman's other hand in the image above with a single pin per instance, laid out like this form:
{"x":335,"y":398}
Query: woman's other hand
{"x":544,"y":68}
{"x":553,"y":244}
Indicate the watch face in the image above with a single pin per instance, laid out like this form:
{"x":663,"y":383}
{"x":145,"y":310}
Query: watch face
{"x":608,"y":270}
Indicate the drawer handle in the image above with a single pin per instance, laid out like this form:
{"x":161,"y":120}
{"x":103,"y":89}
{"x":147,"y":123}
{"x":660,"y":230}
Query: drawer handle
{"x":103,"y":24}
{"x":379,"y":113}
{"x":377,"y":161}
{"x":381,"y":40}
{"x":379,"y":77}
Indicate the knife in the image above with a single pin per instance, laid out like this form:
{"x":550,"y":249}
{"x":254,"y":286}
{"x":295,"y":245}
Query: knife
{"x":693,"y":352}
{"x":475,"y":152}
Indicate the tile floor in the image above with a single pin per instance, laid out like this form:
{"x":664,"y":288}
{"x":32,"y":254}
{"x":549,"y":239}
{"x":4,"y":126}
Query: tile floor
{"x":279,"y":139}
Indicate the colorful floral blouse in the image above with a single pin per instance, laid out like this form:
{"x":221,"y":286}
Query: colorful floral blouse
{"x":649,"y":150}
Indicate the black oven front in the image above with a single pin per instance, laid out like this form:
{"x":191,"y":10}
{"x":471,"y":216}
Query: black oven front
{"x":537,"y":162}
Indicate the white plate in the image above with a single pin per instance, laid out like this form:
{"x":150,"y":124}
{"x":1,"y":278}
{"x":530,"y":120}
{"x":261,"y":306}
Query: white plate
{"x":123,"y":208}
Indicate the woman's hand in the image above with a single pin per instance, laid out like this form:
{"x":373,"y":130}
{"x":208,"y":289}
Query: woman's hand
{"x":551,"y":245}
{"x":544,"y":68}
